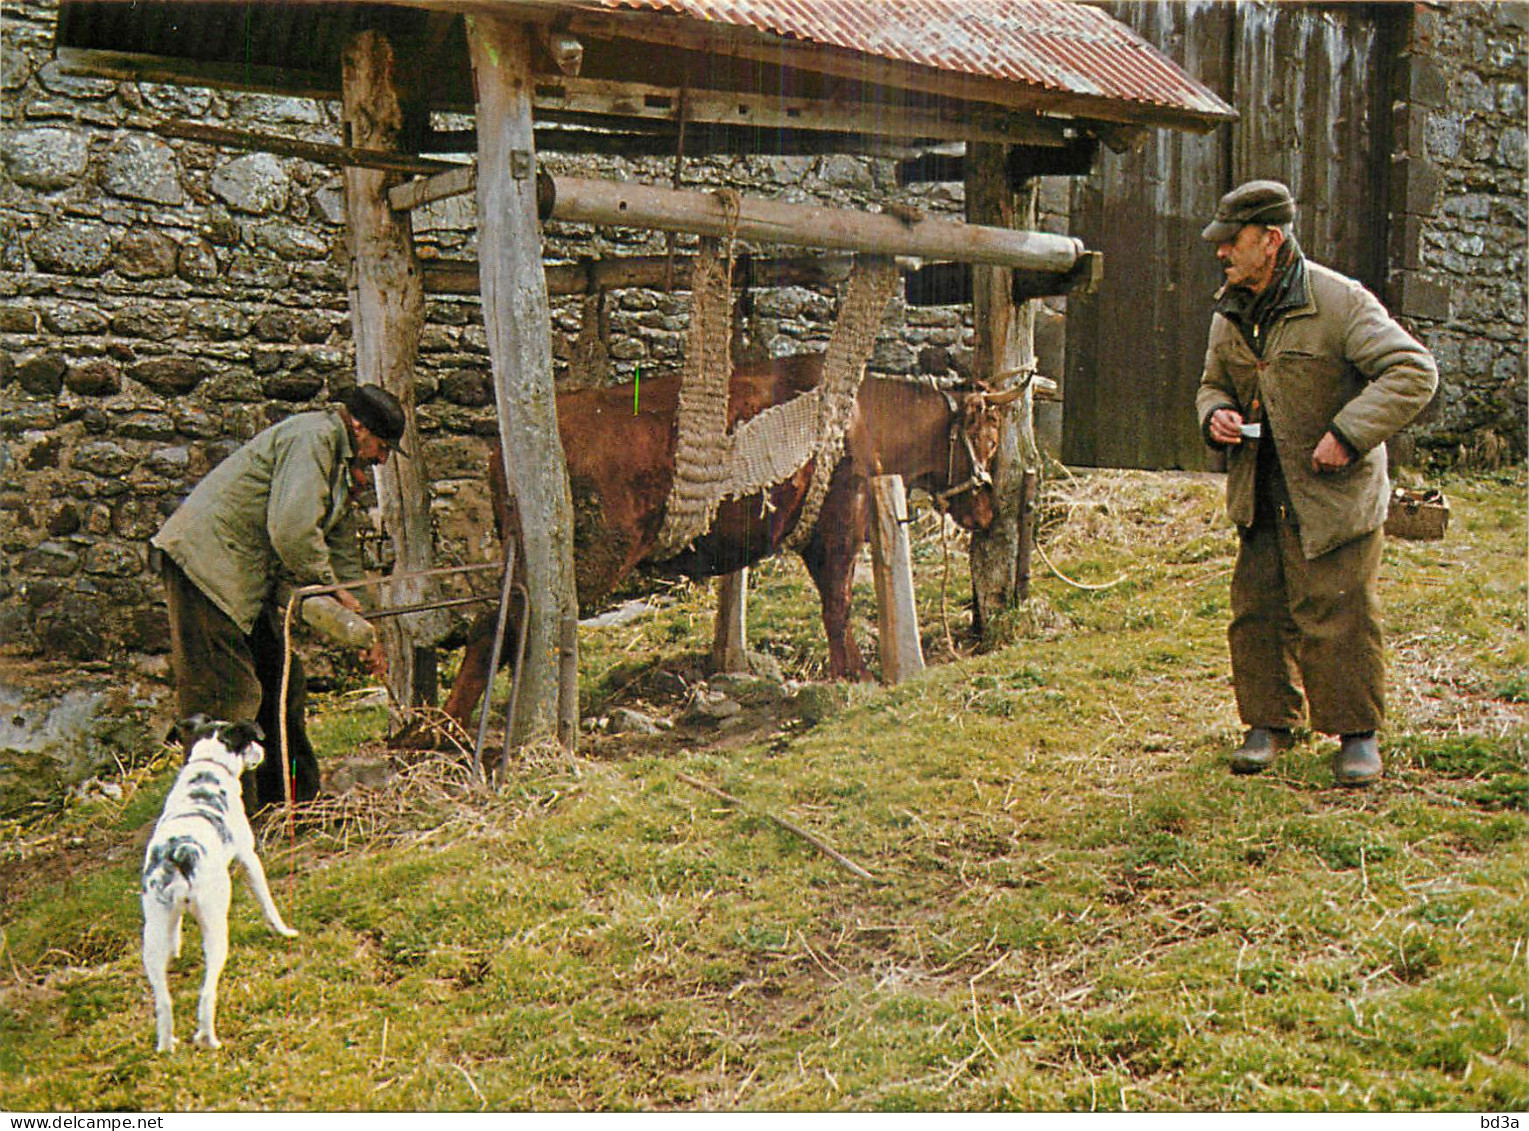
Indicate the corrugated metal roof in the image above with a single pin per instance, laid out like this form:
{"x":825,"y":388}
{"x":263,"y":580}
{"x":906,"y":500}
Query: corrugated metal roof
{"x":1052,"y":44}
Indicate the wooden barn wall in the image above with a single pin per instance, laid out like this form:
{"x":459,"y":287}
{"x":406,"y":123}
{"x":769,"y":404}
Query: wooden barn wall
{"x":1305,"y":81}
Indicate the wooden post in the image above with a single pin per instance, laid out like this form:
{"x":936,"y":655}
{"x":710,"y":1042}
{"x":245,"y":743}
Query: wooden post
{"x":1005,"y":339}
{"x":730,"y":643}
{"x":902,"y":656}
{"x":519,"y":326}
{"x":387,"y":309}
{"x":1029,"y":485}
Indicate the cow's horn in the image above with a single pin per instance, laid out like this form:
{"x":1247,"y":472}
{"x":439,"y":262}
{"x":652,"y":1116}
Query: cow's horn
{"x":1003,"y":397}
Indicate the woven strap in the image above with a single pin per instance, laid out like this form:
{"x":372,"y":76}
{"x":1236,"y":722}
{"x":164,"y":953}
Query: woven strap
{"x":712,"y":464}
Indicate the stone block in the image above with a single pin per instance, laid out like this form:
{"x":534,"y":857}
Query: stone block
{"x":170,"y":376}
{"x":256,"y":184}
{"x":97,"y":378}
{"x":1417,"y":185}
{"x":71,"y":248}
{"x":197,"y":262}
{"x":1408,"y":128}
{"x":74,"y":318}
{"x":294,"y":388}
{"x":152,"y":321}
{"x":1414,"y":295}
{"x":17,"y":318}
{"x":1420,"y":79}
{"x":56,"y":81}
{"x":42,"y":374}
{"x":144,"y":253}
{"x":45,"y":159}
{"x":467,"y":387}
{"x":139,"y":167}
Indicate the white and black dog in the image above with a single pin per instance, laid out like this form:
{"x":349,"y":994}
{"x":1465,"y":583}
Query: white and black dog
{"x":202,"y":830}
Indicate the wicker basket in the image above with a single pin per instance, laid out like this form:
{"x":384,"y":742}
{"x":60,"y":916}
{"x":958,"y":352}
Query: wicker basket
{"x":1419,"y":515}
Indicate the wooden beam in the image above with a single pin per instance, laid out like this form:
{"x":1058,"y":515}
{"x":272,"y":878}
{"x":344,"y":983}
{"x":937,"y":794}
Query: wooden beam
{"x":776,"y":222}
{"x":129,"y":66}
{"x":448,"y":276}
{"x":582,"y":200}
{"x":950,"y":284}
{"x":387,"y":310}
{"x":518,"y":323}
{"x":635,"y":100}
{"x":902,"y":654}
{"x":633,"y":138}
{"x":348,"y":156}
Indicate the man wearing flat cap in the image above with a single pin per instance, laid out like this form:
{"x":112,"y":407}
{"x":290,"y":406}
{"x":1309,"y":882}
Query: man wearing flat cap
{"x":1306,"y":377}
{"x":280,"y":510}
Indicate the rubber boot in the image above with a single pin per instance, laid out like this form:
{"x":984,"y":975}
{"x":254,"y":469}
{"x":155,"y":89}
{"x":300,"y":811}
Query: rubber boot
{"x":1259,"y":746}
{"x":1357,"y":760}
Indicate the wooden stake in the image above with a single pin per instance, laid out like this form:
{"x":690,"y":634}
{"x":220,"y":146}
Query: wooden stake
{"x":730,"y":645}
{"x":902,"y":656}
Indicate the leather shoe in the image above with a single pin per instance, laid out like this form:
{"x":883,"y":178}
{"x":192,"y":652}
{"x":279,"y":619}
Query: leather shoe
{"x":1259,"y":746}
{"x":1357,"y":760}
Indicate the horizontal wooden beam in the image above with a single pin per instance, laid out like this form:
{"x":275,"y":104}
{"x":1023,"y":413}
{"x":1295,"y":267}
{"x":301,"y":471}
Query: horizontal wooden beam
{"x":319,"y":152}
{"x":1075,"y":159}
{"x":644,"y":101}
{"x":648,"y":139}
{"x":454,"y":276}
{"x":950,"y":284}
{"x":135,"y":67}
{"x":583,"y":200}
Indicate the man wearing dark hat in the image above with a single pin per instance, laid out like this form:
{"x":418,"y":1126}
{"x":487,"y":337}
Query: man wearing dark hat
{"x":1306,"y":377}
{"x":280,"y":509}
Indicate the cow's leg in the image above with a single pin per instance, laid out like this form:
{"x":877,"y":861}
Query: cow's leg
{"x":830,"y":559}
{"x":473,"y":677}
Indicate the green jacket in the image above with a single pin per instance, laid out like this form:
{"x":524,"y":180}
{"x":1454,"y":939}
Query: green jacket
{"x":282,"y":501}
{"x":1339,"y":362}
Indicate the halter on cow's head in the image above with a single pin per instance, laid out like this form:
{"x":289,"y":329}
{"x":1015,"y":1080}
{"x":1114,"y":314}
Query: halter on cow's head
{"x":976,"y":427}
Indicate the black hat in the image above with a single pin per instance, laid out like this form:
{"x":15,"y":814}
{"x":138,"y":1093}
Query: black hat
{"x":1257,"y":202}
{"x":379,"y":410}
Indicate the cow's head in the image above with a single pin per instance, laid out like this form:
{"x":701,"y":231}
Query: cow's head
{"x":975,"y":429}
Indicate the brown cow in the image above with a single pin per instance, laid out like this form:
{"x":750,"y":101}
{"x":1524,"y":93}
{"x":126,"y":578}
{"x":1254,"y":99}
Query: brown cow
{"x":619,"y":443}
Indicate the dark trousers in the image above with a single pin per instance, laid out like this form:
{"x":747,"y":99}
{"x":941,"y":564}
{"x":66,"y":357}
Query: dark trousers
{"x":1317,"y":620}
{"x":222,"y":672}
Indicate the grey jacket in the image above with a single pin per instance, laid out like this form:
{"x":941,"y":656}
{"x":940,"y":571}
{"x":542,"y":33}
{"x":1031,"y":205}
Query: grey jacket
{"x":1339,"y":361}
{"x":280,"y":501}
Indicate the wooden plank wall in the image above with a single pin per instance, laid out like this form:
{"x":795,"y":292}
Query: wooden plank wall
{"x":1308,"y":82}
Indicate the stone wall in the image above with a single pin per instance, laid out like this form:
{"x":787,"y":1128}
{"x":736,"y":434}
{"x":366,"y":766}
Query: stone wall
{"x":1459,"y":219}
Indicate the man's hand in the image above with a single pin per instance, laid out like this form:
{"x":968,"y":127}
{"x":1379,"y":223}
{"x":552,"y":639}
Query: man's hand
{"x":1331,"y":455}
{"x":1225,"y":425}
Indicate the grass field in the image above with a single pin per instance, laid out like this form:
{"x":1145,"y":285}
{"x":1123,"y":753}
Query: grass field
{"x":1074,"y":905}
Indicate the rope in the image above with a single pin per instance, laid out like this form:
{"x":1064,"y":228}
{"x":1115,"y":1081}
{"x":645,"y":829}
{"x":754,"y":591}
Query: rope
{"x":871,"y":287}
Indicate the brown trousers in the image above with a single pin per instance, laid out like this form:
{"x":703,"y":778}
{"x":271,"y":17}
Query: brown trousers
{"x":1318,"y":621}
{"x":222,"y":672}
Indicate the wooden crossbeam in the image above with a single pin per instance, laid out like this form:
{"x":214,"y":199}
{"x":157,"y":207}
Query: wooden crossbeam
{"x":583,"y":200}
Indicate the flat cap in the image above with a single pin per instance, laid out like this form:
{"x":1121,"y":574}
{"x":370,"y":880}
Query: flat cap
{"x":1256,"y":202}
{"x":379,"y":410}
